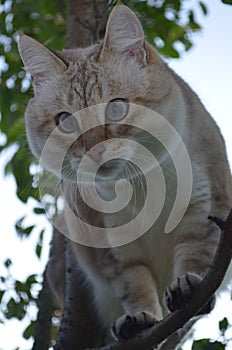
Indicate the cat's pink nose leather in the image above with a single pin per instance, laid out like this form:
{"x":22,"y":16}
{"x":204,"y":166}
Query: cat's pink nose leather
{"x":96,"y":152}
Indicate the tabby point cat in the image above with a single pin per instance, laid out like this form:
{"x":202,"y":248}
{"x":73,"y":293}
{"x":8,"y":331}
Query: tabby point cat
{"x":128,"y":282}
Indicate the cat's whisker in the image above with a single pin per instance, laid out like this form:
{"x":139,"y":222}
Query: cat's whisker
{"x":127,"y":170}
{"x":131,"y":168}
{"x":45,"y":182}
{"x":168,"y":172}
{"x":142,"y":190}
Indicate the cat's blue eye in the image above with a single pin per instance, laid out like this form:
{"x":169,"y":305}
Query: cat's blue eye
{"x":117,"y":109}
{"x":66,"y":122}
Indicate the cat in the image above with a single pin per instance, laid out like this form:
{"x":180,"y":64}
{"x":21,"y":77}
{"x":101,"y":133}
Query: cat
{"x":128,"y":282}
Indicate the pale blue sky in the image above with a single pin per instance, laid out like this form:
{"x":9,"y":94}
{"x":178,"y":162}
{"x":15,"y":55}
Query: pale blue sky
{"x":207,"y":68}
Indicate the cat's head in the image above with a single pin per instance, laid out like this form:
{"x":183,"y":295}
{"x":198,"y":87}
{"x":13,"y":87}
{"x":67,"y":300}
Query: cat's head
{"x":121,"y":70}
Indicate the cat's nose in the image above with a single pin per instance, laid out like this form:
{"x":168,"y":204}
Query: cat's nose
{"x":96,"y":152}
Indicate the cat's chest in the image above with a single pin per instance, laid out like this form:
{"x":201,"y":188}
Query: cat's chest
{"x":154,"y":250}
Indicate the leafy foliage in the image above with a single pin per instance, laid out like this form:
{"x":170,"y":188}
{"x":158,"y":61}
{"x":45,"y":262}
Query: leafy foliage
{"x":37,"y":19}
{"x":220,"y":344}
{"x":169,"y":25}
{"x":206,"y":344}
{"x":16,"y":297}
{"x":228,"y":2}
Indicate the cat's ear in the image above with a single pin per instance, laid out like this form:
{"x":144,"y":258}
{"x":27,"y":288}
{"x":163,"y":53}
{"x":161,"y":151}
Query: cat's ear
{"x":39,"y":61}
{"x":124,"y":34}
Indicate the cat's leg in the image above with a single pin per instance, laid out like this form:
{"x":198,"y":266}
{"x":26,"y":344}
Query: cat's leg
{"x":194,"y":251}
{"x":135,"y":288}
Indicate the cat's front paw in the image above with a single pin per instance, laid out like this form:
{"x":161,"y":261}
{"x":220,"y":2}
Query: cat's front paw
{"x":180,"y":291}
{"x":128,"y":326}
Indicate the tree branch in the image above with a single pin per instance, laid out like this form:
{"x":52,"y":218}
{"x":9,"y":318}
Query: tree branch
{"x":45,"y":303}
{"x":79,"y":316}
{"x":176,"y":320}
{"x":86,"y":20}
{"x":178,"y":336}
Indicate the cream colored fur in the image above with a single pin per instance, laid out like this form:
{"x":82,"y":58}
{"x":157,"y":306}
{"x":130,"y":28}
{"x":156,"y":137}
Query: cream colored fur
{"x":132,"y":279}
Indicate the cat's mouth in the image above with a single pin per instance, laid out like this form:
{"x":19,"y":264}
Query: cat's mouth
{"x":110,"y":171}
{"x":112,"y":165}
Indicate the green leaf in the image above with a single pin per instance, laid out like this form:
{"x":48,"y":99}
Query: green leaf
{"x":7,"y":263}
{"x":2,"y":292}
{"x":228,"y":2}
{"x":206,"y":344}
{"x":24,"y":232}
{"x":21,"y":230}
{"x":15,"y":309}
{"x":29,"y":331}
{"x":3,"y":279}
{"x":21,"y":169}
{"x":39,"y":245}
{"x":10,"y":309}
{"x":32,"y":279}
{"x":223,"y":325}
{"x":19,"y":286}
{"x":193,"y":25}
{"x":23,"y":289}
{"x":203,"y":8}
{"x":41,"y":235}
{"x":38,"y":250}
{"x":39,"y":210}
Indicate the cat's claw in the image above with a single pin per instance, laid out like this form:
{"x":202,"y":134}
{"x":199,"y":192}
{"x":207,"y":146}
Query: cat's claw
{"x":180,"y":291}
{"x":128,"y":326}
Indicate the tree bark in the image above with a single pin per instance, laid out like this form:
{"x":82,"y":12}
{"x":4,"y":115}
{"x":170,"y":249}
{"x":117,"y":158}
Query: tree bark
{"x":79,"y":319}
{"x":86,"y":20}
{"x":45,"y":303}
